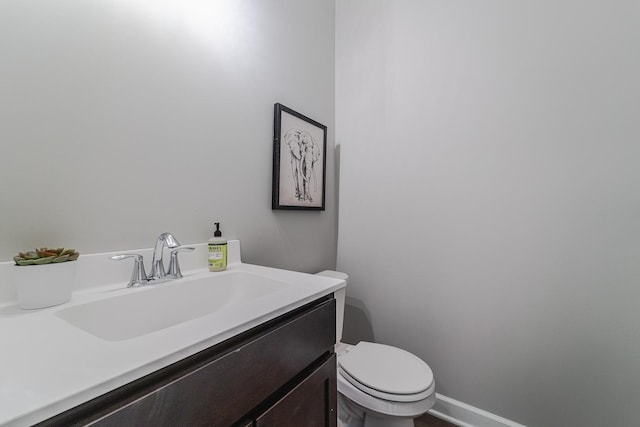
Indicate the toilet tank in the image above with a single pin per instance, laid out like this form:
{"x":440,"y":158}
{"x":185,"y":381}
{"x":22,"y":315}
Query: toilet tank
{"x":339,"y":296}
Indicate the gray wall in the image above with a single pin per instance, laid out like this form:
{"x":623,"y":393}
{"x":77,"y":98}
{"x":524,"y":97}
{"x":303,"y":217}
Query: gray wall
{"x":120,"y":119}
{"x":490,"y":197}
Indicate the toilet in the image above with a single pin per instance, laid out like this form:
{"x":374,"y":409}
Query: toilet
{"x":378,"y":385}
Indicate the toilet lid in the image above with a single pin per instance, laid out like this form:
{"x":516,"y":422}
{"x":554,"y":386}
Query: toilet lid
{"x":387,"y":369}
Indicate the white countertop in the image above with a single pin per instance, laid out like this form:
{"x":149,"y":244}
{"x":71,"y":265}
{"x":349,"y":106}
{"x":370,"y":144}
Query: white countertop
{"x":48,"y":365}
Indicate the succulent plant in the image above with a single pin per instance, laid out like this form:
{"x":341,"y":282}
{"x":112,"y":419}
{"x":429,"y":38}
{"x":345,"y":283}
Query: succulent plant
{"x":46,"y":256}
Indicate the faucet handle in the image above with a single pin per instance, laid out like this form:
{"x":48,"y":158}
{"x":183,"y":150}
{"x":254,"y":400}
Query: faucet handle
{"x":138,"y":276}
{"x":174,"y":267}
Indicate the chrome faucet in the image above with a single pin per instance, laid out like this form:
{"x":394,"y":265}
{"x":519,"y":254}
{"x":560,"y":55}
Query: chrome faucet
{"x":157,"y":266}
{"x":158,"y":273}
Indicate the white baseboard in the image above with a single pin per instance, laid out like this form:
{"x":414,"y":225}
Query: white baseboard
{"x":464,"y":415}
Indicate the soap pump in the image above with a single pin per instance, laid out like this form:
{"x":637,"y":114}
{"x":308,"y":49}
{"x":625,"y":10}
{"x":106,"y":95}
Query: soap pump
{"x":217,"y":251}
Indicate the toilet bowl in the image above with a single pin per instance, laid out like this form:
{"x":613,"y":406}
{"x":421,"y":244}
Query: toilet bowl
{"x":378,"y":385}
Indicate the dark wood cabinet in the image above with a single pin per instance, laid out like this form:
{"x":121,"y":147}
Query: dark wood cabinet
{"x":312,"y":403}
{"x":281,"y":373}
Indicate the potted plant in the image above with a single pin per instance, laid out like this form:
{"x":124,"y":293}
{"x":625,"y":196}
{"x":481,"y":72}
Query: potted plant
{"x":44,"y":277}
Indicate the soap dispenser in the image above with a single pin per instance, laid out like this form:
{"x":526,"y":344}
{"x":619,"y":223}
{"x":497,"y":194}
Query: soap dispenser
{"x":217,"y":251}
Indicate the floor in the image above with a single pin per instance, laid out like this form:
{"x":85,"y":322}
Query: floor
{"x":431,"y":421}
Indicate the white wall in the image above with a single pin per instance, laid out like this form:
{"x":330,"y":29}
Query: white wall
{"x":120,"y":119}
{"x":490,"y":197}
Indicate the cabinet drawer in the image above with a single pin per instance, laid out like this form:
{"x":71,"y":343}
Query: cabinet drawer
{"x":221,"y":391}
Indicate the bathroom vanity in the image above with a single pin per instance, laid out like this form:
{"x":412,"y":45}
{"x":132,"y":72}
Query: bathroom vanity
{"x":251,"y":346}
{"x":281,"y":373}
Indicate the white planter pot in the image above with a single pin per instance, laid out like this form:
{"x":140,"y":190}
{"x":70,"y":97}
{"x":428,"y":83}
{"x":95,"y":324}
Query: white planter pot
{"x":40,"y":286}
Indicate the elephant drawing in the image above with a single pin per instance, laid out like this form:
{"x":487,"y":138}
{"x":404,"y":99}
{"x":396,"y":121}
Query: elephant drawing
{"x":304,"y":153}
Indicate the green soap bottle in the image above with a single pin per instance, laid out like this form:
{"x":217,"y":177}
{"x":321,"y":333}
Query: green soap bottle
{"x":217,"y":251}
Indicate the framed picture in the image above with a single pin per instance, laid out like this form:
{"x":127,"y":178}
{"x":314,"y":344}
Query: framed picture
{"x":299,"y":161}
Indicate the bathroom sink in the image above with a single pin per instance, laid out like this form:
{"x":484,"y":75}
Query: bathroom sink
{"x":155,"y":307}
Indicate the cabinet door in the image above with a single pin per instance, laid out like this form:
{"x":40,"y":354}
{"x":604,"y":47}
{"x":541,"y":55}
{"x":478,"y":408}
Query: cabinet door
{"x":312,"y":403}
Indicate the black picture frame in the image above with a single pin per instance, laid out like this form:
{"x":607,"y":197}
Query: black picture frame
{"x":299,"y":150}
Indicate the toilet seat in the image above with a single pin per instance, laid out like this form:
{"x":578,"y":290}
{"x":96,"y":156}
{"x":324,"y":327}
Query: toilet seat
{"x":381,"y":406}
{"x":386,"y":372}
